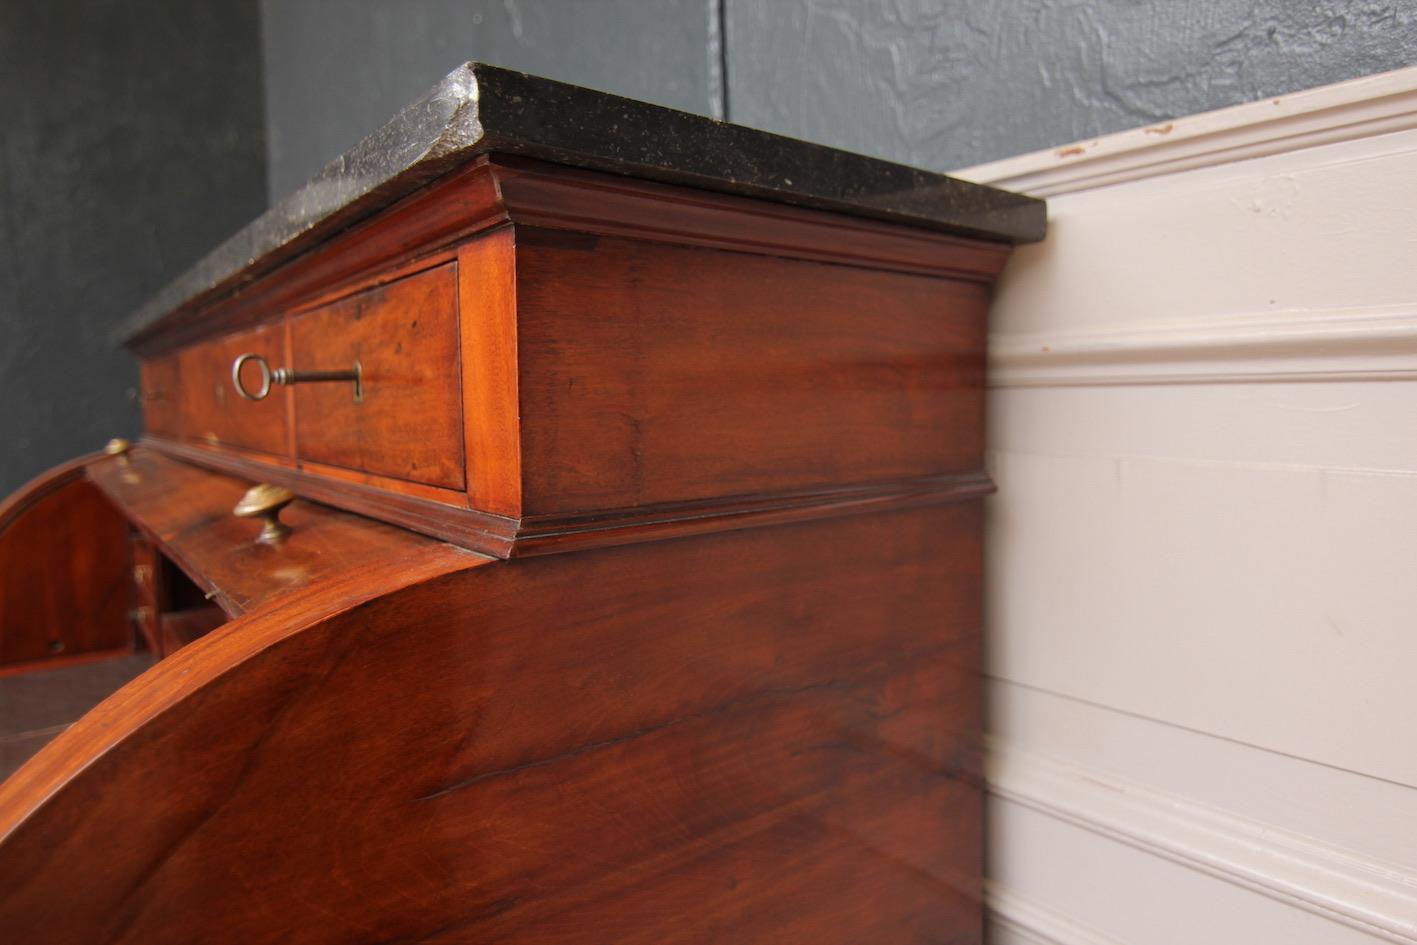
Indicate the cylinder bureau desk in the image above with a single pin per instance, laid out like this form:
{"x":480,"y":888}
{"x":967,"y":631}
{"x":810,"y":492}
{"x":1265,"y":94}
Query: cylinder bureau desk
{"x":558,"y":522}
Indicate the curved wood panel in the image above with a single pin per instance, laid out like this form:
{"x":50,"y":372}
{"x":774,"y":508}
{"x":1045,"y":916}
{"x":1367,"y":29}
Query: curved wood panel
{"x":750,"y":737}
{"x":186,"y":510}
{"x":63,"y":569}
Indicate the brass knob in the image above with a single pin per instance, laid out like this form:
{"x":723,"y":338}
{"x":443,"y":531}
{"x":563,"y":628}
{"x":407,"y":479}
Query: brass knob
{"x":117,"y":447}
{"x":265,"y":502}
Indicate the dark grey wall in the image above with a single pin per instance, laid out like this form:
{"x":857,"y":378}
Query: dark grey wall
{"x":949,"y":83}
{"x":338,"y":69}
{"x":131,"y":142}
{"x":938,"y":83}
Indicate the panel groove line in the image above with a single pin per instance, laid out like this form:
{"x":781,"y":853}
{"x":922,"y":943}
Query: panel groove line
{"x":1360,"y":343}
{"x":1358,"y":891}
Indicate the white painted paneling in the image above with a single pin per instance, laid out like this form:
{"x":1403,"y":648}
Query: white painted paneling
{"x":1328,"y":228}
{"x":1362,"y":816}
{"x":1366,"y":426}
{"x":1268,"y":603}
{"x":1202,"y":571}
{"x":1120,"y":894}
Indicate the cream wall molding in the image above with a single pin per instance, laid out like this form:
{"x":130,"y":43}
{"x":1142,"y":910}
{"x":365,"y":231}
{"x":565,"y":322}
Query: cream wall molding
{"x":1225,"y":551}
{"x":1029,"y":923}
{"x":1374,"y":343}
{"x":1361,"y":108}
{"x":1362,"y":893}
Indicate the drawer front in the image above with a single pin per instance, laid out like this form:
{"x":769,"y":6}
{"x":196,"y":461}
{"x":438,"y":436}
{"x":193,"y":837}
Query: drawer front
{"x":158,"y":390}
{"x":404,"y":336}
{"x":210,"y":409}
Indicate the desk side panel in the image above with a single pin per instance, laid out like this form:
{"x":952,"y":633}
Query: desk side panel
{"x":653,"y":374}
{"x":758,"y":737}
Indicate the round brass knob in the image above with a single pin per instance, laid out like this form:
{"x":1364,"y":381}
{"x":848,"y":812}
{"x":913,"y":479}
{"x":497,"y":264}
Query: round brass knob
{"x":265,"y":501}
{"x":117,"y":446}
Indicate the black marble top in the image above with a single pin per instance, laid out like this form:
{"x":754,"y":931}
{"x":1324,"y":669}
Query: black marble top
{"x":479,"y":109}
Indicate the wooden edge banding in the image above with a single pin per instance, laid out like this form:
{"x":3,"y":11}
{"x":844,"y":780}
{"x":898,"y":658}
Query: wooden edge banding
{"x":492,"y":192}
{"x":537,"y":193}
{"x":478,"y":531}
{"x":505,"y":537}
{"x":46,"y":483}
{"x":487,"y":320}
{"x":546,"y":536}
{"x":186,"y":673}
{"x":439,"y":494}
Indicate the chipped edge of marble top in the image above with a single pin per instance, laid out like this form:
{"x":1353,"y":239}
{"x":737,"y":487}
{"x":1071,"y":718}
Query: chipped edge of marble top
{"x":479,"y":109}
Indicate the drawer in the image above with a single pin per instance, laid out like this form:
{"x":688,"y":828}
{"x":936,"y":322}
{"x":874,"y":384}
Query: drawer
{"x":209,"y":408}
{"x":404,"y":336}
{"x":158,"y":392}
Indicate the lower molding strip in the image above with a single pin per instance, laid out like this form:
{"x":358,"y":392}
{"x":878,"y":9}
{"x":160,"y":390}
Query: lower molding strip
{"x":1034,"y":923}
{"x":1370,"y":895}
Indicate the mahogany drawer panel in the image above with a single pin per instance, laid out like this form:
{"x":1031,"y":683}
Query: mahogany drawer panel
{"x":158,"y":387}
{"x":659,"y":374}
{"x":404,"y":335}
{"x":209,"y":408}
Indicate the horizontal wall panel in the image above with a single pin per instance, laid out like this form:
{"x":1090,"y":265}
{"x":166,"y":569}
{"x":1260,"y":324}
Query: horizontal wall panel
{"x":1202,"y":573}
{"x":1121,"y":894}
{"x":1342,"y":426}
{"x":1326,"y":227}
{"x":1374,"y":827}
{"x":1266,"y":603}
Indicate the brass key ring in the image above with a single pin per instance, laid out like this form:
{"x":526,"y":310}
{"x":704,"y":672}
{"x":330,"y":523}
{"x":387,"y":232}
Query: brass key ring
{"x":285,"y":376}
{"x":265,"y":368}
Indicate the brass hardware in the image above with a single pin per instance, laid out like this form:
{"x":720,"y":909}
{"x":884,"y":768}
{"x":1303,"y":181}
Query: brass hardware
{"x":265,"y":501}
{"x":286,"y":376}
{"x":119,"y":449}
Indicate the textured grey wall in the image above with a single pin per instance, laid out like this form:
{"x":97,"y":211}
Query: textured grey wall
{"x":949,"y":83}
{"x":338,"y":69}
{"x":938,"y":83}
{"x":131,"y":142}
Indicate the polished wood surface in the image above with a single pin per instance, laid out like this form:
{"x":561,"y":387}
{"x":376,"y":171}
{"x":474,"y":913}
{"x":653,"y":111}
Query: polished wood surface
{"x":188,"y":512}
{"x":37,"y":704}
{"x":757,"y":736}
{"x":587,"y":347}
{"x":181,"y":627}
{"x":209,"y":408}
{"x":405,"y":337}
{"x":549,"y":196}
{"x":639,"y":601}
{"x":487,"y":308}
{"x":151,"y":593}
{"x":64,"y":579}
{"x":159,"y":393}
{"x":654,"y":374}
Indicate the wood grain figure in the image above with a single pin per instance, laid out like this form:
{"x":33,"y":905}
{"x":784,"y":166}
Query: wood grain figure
{"x":631,"y":596}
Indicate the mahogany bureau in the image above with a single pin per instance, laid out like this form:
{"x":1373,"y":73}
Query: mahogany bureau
{"x":558,"y":522}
